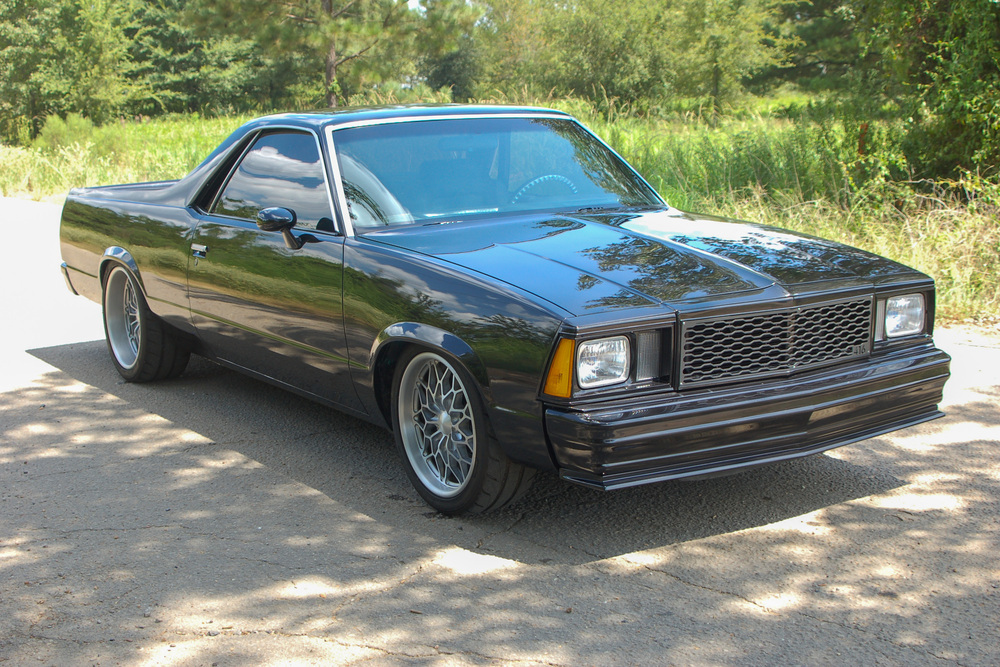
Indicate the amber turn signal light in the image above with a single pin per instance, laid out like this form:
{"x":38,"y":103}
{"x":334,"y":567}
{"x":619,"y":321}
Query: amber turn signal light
{"x":559,"y":381}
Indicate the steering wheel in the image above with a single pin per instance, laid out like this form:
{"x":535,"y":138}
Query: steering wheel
{"x":542,"y":179}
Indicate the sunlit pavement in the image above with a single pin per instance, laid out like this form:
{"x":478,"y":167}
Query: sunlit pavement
{"x":216,"y":520}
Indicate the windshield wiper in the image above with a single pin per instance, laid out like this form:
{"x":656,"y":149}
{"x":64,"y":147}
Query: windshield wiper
{"x":593,"y":209}
{"x":617,"y":208}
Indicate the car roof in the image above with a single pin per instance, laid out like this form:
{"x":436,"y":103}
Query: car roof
{"x":321,"y":118}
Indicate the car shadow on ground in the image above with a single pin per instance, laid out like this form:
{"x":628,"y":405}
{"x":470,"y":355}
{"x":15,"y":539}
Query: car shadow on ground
{"x":355,"y":464}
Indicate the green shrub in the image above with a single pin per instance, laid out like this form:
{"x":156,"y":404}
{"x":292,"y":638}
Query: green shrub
{"x":15,"y":131}
{"x":57,"y":133}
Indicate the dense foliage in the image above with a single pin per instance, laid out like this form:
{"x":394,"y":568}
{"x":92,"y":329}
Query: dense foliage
{"x":931,"y":64}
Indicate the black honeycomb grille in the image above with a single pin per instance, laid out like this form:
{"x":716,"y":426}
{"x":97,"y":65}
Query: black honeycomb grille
{"x":774,"y":343}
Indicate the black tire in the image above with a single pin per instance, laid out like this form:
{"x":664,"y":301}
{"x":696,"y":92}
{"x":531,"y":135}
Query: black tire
{"x":444,"y":439}
{"x":142,"y":347}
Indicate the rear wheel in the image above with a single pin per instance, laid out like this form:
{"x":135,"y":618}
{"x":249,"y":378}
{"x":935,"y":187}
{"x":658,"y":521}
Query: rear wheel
{"x":442,"y":434}
{"x":142,"y":346}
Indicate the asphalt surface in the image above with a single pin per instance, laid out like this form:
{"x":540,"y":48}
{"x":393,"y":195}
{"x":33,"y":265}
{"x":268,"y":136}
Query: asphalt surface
{"x":214,"y":520}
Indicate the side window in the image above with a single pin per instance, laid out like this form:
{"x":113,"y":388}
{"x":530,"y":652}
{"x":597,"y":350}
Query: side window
{"x":281,"y":169}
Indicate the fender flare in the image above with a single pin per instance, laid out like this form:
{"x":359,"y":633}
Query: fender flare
{"x":121,"y":256}
{"x":437,"y":340}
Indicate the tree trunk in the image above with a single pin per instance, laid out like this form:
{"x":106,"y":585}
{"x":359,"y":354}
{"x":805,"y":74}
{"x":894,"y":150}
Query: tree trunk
{"x":716,"y":81}
{"x":331,"y":62}
{"x":332,"y":97}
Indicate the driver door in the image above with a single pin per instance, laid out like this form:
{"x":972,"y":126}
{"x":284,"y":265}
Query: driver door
{"x":259,"y":304}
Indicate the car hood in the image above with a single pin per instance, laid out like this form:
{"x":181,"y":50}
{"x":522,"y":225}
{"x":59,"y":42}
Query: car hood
{"x":593,"y":262}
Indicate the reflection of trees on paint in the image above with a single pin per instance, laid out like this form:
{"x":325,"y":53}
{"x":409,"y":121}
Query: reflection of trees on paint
{"x":792,"y":257}
{"x":663,"y":272}
{"x":374,"y":301}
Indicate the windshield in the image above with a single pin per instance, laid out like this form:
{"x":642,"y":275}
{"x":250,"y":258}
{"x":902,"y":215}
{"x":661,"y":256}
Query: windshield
{"x":438,"y":170}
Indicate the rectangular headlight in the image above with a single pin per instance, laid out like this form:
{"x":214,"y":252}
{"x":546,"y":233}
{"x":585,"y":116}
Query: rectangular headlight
{"x":904,"y":315}
{"x":602,"y":362}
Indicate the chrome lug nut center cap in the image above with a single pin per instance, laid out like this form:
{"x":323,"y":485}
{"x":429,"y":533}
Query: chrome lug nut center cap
{"x":445,"y":425}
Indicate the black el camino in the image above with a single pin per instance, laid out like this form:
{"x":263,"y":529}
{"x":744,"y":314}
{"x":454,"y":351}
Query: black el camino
{"x":506,"y":294}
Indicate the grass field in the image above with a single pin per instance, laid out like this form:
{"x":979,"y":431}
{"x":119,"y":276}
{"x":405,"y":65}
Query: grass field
{"x":123,"y":152}
{"x":830,"y":179}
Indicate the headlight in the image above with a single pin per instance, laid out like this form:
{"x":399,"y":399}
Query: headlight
{"x":904,"y":315}
{"x":602,"y":362}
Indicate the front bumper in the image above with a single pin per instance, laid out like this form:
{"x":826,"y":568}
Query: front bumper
{"x":712,"y":431}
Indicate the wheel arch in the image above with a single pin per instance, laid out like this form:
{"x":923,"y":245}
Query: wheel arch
{"x":143,"y":347}
{"x":395,"y":339}
{"x":118,"y":256}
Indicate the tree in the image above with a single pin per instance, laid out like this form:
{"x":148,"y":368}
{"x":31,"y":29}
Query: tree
{"x":825,"y":47}
{"x":353,"y":42}
{"x":939,"y":60}
{"x":634,"y":52}
{"x":447,"y":48}
{"x":182,"y":70}
{"x":590,"y":48}
{"x":61,"y":56}
{"x":512,"y":45}
{"x":722,"y":42}
{"x":606,"y":47}
{"x":962,"y":93}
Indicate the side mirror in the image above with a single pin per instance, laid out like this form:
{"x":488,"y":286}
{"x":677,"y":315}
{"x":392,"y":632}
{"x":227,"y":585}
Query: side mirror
{"x":276,"y":219}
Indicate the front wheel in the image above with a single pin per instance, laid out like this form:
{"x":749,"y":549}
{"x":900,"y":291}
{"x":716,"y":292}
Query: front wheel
{"x":142,"y":347}
{"x":442,"y":435}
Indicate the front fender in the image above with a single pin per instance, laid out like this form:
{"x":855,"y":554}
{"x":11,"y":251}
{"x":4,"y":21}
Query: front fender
{"x":519,"y":433}
{"x":502,"y":336}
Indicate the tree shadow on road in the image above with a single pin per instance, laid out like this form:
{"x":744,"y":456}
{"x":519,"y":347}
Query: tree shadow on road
{"x":354,"y":463}
{"x":219,"y":504}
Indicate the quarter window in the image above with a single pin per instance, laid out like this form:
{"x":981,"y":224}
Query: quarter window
{"x":281,"y":169}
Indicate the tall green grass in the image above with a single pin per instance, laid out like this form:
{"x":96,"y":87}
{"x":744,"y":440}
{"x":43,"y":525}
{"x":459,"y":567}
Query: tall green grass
{"x":693,"y":161}
{"x":78,"y":154}
{"x":820,"y":178}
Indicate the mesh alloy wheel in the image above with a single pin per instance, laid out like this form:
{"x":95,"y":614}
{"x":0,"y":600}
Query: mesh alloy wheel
{"x":437,"y":425}
{"x":122,"y":318}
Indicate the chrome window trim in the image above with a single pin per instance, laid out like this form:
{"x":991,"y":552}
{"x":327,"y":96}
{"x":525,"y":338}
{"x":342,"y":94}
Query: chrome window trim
{"x":249,"y":147}
{"x":334,"y":126}
{"x":347,"y":226}
{"x":250,"y":139}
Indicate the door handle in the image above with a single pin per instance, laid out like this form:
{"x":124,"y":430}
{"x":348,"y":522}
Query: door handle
{"x":199,"y":251}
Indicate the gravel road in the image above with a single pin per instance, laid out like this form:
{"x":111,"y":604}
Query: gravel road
{"x":214,"y":520}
